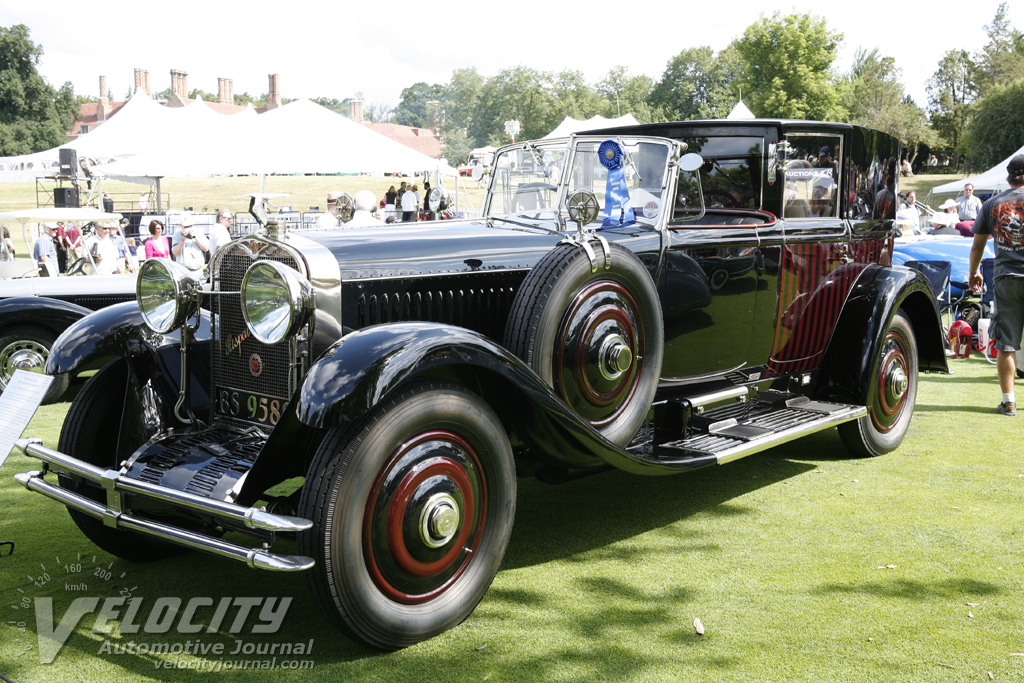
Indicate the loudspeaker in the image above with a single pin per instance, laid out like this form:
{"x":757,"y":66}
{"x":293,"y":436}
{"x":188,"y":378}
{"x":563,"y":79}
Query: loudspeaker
{"x":69,"y":163}
{"x":65,"y":197}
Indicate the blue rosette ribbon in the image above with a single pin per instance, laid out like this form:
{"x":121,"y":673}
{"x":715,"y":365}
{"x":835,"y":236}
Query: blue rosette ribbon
{"x":618,"y":208}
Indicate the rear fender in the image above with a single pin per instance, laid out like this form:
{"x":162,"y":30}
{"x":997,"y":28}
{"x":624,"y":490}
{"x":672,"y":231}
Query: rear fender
{"x":880,"y":292}
{"x":53,"y":315}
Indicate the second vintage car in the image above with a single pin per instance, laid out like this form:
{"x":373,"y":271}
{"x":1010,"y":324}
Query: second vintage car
{"x":375,"y":393}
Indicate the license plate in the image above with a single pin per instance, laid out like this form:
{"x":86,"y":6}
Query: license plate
{"x":249,"y":406}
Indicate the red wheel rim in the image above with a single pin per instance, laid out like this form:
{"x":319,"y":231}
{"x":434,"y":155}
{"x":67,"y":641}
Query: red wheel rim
{"x":434,"y":466}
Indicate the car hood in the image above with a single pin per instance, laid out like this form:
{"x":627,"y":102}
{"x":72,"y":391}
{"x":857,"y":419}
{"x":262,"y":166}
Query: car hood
{"x":436,"y":247}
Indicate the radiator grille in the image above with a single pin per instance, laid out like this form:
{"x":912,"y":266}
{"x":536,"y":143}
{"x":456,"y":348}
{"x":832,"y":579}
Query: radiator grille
{"x":233,"y":348}
{"x":484,"y":309}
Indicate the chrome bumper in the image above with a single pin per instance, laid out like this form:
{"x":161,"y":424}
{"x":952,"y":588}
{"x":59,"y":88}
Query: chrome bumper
{"x":114,"y":515}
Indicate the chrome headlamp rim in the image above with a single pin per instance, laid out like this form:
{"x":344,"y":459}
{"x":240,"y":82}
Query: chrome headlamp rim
{"x":284,"y":317}
{"x":179,"y":287}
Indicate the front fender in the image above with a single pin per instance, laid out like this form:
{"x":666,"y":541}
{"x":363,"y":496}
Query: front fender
{"x":879,"y":293}
{"x":114,"y":331}
{"x":51,"y":314}
{"x":368,"y":366}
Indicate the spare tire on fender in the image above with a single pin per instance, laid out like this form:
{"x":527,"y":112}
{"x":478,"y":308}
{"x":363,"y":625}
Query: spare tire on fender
{"x":594,"y":333}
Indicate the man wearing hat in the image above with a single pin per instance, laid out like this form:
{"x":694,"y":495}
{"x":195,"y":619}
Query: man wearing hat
{"x":329,"y":219}
{"x":101,"y":251}
{"x":189,"y":245}
{"x":44,"y":251}
{"x":1002,"y":217}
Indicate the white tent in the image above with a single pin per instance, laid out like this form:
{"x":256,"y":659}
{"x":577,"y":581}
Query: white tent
{"x":570,"y":125}
{"x":740,"y":112}
{"x":991,"y":181}
{"x":299,"y":137}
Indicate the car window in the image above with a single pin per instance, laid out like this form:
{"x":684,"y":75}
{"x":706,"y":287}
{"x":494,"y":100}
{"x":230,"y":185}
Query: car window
{"x":643,"y":168}
{"x":812,"y":175}
{"x":526,"y":178}
{"x":730,"y":177}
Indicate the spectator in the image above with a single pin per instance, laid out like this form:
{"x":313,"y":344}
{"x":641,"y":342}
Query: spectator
{"x":908,"y":218}
{"x":409,"y":203}
{"x":144,"y":202}
{"x":101,"y":251}
{"x":189,"y":246}
{"x":363,"y":216}
{"x":905,"y":169}
{"x":426,"y":198}
{"x":967,"y":205}
{"x":220,"y":233}
{"x":73,"y":242}
{"x":329,"y":219}
{"x":62,"y":250}
{"x":157,"y":245}
{"x":6,"y":246}
{"x":108,"y":203}
{"x":124,"y":255}
{"x":44,"y":250}
{"x":1002,"y":217}
{"x":389,"y":202}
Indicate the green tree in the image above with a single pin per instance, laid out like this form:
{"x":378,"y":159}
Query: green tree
{"x":197,"y":94}
{"x":996,"y":129}
{"x":519,"y":93}
{"x":335,"y":105}
{"x":242,"y":98}
{"x":697,"y":84}
{"x":951,"y":91}
{"x":33,"y":116}
{"x":626,"y":94}
{"x":786,"y":67}
{"x":416,"y":109}
{"x":574,"y":97}
{"x":1001,"y":60}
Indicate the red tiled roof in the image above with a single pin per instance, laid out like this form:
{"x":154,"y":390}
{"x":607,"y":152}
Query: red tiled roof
{"x":88,"y":117}
{"x":423,"y":140}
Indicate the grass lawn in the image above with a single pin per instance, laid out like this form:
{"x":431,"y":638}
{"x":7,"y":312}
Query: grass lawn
{"x":802,"y":563}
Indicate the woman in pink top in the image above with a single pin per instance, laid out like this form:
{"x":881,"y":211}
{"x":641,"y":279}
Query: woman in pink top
{"x":157,"y":245}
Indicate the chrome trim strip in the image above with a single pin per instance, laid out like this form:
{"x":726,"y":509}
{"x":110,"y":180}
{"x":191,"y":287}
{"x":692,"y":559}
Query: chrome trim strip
{"x":114,"y":483}
{"x":256,"y":558}
{"x":717,"y":396}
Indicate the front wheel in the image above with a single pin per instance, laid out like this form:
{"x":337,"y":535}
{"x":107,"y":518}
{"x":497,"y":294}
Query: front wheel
{"x":891,"y":395}
{"x":412,"y":512}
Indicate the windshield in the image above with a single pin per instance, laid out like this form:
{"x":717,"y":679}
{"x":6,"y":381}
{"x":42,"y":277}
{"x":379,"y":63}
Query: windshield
{"x":526,"y":179}
{"x":627,"y":175}
{"x":628,"y":189}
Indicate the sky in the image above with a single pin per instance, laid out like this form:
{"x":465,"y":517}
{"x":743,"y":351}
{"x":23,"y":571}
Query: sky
{"x":339,"y":50}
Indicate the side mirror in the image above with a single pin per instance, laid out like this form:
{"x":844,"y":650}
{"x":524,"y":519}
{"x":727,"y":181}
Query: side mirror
{"x":691,"y":162}
{"x":476,"y":172}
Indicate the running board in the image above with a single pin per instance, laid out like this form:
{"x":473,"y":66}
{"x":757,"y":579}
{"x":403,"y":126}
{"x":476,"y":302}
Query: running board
{"x":736,"y":431}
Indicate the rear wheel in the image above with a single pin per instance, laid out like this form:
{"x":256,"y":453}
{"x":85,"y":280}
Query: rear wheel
{"x":891,"y":395}
{"x":412,"y":512}
{"x":27,"y":348}
{"x":90,"y":434}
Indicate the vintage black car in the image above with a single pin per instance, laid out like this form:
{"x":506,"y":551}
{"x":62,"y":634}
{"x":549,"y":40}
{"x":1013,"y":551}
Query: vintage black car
{"x":35,"y":310}
{"x":374,"y":394}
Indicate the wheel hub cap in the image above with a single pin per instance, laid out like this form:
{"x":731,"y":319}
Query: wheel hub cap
{"x":21,"y":355}
{"x":898,"y":383}
{"x":439,"y":520}
{"x":616,"y":356}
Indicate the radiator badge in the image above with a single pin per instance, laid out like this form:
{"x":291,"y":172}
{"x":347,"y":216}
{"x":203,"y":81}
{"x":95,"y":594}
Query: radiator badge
{"x":233,"y":343}
{"x":255,"y":365}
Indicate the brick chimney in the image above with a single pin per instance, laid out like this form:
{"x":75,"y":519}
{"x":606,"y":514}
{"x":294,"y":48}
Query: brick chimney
{"x":225,"y":91}
{"x":103,"y":109}
{"x":142,"y":81}
{"x":355,"y":110}
{"x":274,"y":97}
{"x":179,"y":84}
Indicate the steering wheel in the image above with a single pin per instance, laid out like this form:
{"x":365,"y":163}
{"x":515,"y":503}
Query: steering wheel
{"x":77,"y":268}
